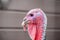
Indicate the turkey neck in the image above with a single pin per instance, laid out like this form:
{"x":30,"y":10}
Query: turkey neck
{"x":39,"y":32}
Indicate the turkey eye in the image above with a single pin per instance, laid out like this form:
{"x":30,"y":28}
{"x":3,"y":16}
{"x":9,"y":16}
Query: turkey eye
{"x":31,"y":14}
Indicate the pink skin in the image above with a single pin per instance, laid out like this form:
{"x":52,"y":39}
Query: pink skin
{"x":35,"y":24}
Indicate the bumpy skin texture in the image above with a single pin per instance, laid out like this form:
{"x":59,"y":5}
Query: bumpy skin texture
{"x":36,"y":22}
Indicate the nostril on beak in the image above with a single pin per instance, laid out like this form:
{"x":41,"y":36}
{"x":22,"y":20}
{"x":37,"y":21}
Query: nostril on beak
{"x":24,"y":20}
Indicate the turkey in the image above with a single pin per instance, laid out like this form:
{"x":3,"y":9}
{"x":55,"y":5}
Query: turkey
{"x":36,"y":23}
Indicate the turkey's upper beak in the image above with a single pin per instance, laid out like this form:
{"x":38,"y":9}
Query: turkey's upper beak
{"x":25,"y":22}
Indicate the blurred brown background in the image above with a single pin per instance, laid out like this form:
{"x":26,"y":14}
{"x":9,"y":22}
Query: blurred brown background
{"x":13,"y":11}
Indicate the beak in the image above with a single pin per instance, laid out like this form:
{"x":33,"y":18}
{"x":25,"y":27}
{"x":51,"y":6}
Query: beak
{"x":25,"y":22}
